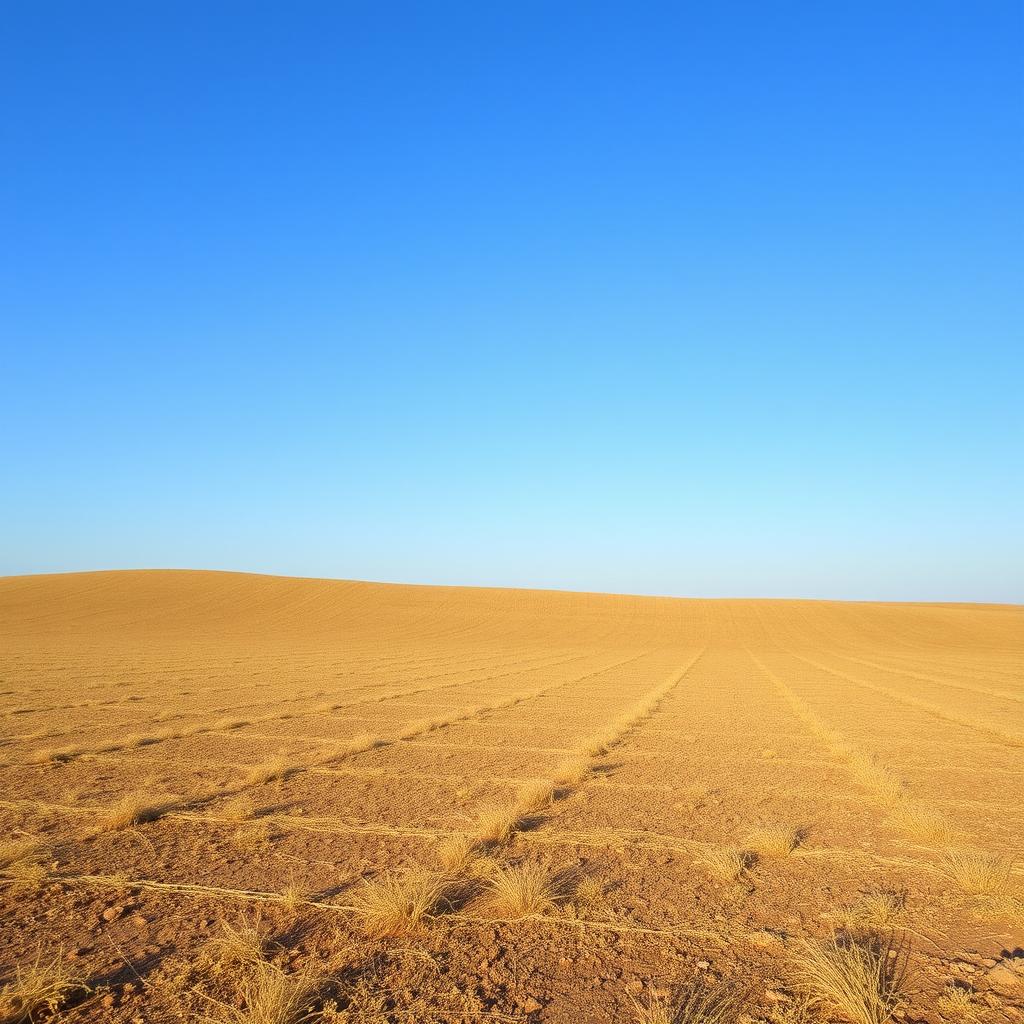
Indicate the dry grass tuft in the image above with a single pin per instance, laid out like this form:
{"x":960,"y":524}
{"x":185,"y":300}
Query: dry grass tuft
{"x":455,"y":853}
{"x":273,"y":768}
{"x":535,"y":796}
{"x":254,"y":834}
{"x":48,"y":755}
{"x":728,"y":865}
{"x":397,"y":904}
{"x":294,"y":893}
{"x":589,"y":891}
{"x":958,"y":1004}
{"x":919,"y":821}
{"x":14,"y":850}
{"x":800,"y":1012}
{"x":227,"y":724}
{"x":239,"y":808}
{"x":859,"y":979}
{"x":654,"y":1010}
{"x":417,"y":728}
{"x":132,"y":809}
{"x":38,"y":988}
{"x":244,"y":943}
{"x":495,"y":824}
{"x":270,"y":996}
{"x":874,"y":912}
{"x":572,"y":771}
{"x":363,"y":741}
{"x":596,"y":746}
{"x":696,"y":1003}
{"x":775,"y":841}
{"x":141,"y":739}
{"x":24,"y":876}
{"x":522,"y":890}
{"x":870,"y":774}
{"x":979,"y":873}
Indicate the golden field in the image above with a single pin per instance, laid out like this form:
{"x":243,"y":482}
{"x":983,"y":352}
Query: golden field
{"x":240,"y":798}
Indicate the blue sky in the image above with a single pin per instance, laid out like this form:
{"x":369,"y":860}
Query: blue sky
{"x":695,"y":299}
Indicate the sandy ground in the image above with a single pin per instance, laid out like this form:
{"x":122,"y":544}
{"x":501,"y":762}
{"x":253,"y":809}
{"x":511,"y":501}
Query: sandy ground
{"x":887,"y":739}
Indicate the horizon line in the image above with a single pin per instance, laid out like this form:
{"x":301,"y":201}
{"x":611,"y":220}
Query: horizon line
{"x":475,"y":586}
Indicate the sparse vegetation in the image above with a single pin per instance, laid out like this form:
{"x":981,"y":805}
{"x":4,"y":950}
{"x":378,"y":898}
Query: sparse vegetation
{"x":959,"y":1005}
{"x":455,"y":853}
{"x":595,"y":746}
{"x":241,"y":807}
{"x":417,"y":728}
{"x":572,"y":771}
{"x":919,"y":821}
{"x":494,"y":824}
{"x":21,"y":848}
{"x":269,"y":995}
{"x":23,"y":876}
{"x":253,"y":835}
{"x":550,"y":835}
{"x":40,"y":987}
{"x":132,"y":809}
{"x":589,"y":891}
{"x":860,"y":979}
{"x":727,"y":865}
{"x":46,"y":755}
{"x":361,"y":742}
{"x":775,"y":841}
{"x":229,"y":723}
{"x":874,"y":912}
{"x":271,"y":770}
{"x":535,"y":796}
{"x":872,"y":775}
{"x":294,"y":893}
{"x":394,"y":904}
{"x":696,"y":1003}
{"x":522,"y":890}
{"x":979,"y":873}
{"x":241,"y":943}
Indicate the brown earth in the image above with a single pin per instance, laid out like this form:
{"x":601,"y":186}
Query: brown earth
{"x":888,"y":738}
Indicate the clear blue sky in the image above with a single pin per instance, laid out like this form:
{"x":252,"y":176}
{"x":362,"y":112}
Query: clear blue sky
{"x":706,"y":298}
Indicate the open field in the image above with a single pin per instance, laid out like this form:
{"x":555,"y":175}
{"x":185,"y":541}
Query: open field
{"x":226,"y":795}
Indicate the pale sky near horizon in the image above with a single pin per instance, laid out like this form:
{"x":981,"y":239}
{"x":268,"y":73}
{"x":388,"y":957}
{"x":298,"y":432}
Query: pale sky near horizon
{"x":692,"y":299}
